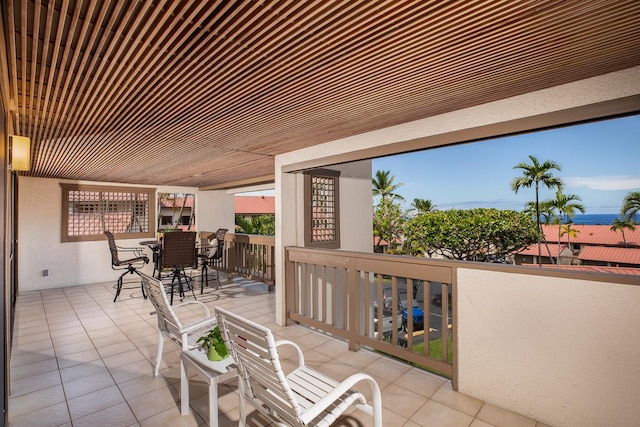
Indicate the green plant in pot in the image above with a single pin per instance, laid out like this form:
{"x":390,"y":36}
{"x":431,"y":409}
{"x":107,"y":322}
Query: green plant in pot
{"x":214,"y":344}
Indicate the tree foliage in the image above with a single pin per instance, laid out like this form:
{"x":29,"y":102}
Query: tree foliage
{"x":422,"y":205}
{"x":622,"y":224}
{"x":533,"y":175}
{"x":383,"y":186}
{"x":388,"y":221}
{"x":264,"y":225}
{"x":473,"y":235}
{"x":564,"y":205}
{"x":630,"y":205}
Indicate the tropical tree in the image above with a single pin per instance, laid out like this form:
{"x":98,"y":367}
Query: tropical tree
{"x":620,"y":225}
{"x":630,"y":205}
{"x":264,"y":225}
{"x":535,"y":174}
{"x":565,"y":206}
{"x":568,"y":230}
{"x":388,"y":221}
{"x":546,"y":212}
{"x":470,"y":234}
{"x":384,"y":186}
{"x":422,"y":206}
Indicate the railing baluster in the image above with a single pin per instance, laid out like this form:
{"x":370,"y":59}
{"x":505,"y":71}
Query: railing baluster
{"x":356,"y":280}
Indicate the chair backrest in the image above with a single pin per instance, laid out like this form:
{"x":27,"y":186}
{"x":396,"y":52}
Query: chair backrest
{"x":216,"y":252}
{"x":112,"y":247}
{"x":179,"y":250}
{"x":167,"y":320}
{"x":262,"y":379}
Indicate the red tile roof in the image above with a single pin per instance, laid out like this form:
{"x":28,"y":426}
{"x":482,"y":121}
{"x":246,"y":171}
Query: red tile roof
{"x":255,"y":205}
{"x":608,"y":254}
{"x":533,"y":249}
{"x":594,"y":235}
{"x":178,"y":201}
{"x":593,"y":268}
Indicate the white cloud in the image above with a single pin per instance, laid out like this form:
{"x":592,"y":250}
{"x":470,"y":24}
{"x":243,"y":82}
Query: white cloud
{"x":606,"y":183}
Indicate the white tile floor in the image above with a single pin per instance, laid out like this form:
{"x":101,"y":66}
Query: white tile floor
{"x":78,"y":359}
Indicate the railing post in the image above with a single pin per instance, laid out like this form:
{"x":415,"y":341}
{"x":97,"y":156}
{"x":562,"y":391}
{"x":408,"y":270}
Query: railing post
{"x":353,"y":289}
{"x":289,"y":286}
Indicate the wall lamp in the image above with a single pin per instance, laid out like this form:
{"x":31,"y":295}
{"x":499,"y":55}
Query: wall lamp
{"x":20,"y":157}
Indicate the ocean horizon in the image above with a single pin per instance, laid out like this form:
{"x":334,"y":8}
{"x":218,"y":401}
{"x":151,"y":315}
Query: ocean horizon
{"x":595,"y":219}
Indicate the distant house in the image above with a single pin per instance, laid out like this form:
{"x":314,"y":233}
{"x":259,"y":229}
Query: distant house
{"x":176,"y":211}
{"x":250,"y":206}
{"x":594,"y":245}
{"x":549,"y":250}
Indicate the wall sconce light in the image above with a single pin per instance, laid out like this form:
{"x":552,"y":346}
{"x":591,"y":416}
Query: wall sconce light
{"x":20,"y":153}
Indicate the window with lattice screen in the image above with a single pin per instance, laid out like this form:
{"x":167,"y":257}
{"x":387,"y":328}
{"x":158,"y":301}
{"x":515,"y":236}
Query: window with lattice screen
{"x":89,"y":210}
{"x":322,"y":227}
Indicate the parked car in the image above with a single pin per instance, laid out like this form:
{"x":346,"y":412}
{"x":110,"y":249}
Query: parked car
{"x":416,"y":313}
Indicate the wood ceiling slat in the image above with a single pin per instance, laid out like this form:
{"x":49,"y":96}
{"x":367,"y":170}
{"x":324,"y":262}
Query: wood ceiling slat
{"x":48,"y":150}
{"x":100,"y":74}
{"x":336,"y":74}
{"x":70,"y":79}
{"x":46,"y":77}
{"x":193,"y":84}
{"x":33,"y":74}
{"x":13,"y":69}
{"x":50,"y":80}
{"x":179,"y":130}
{"x":157,"y":71}
{"x":23,"y":36}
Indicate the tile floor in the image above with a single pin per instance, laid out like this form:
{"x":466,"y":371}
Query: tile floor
{"x":78,"y":359}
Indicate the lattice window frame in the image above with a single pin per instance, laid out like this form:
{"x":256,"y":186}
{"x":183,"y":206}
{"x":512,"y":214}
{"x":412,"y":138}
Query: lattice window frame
{"x":322,"y":208}
{"x":128,"y":212}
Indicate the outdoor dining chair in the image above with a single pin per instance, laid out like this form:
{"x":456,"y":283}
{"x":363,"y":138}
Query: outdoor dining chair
{"x":211,"y":256}
{"x":178,"y":253}
{"x":184,"y":333}
{"x":305,"y":397}
{"x":129,"y":265}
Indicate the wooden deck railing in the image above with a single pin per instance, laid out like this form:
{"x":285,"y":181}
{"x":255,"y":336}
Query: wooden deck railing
{"x":363,"y":298}
{"x":251,"y":256}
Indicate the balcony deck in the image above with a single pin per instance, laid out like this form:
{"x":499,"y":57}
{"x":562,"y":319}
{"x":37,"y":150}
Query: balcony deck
{"x":81,"y":360}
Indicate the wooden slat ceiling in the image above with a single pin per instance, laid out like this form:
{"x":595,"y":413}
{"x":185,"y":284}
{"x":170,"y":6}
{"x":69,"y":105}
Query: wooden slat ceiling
{"x":199,"y":93}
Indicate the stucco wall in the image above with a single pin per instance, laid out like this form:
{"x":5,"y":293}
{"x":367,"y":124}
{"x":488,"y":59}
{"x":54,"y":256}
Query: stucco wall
{"x":565,"y":352}
{"x":216,"y":209}
{"x":72,"y":263}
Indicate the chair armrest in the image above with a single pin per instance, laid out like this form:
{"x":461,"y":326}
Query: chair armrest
{"x":206,"y":309}
{"x":202,"y":325}
{"x":296,"y":348}
{"x":210,"y":322}
{"x":343,"y":387}
{"x":138,"y":252}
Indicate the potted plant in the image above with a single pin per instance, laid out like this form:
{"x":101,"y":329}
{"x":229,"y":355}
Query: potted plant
{"x":214,"y":344}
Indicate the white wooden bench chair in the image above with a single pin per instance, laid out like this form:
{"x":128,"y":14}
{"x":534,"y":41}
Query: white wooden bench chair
{"x":305,"y":397}
{"x":183,"y":333}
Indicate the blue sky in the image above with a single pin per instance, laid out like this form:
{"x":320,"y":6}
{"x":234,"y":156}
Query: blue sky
{"x":600,"y":163}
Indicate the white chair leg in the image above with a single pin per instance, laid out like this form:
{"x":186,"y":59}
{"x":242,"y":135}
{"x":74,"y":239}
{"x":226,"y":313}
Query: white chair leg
{"x":184,"y":389}
{"x":159,"y":355}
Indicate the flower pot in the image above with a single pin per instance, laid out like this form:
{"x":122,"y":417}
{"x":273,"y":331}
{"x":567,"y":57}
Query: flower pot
{"x":213,"y":354}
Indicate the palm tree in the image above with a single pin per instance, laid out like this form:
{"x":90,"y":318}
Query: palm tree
{"x":620,"y":225}
{"x":535,"y":174}
{"x":384,"y":187}
{"x":570,"y":232}
{"x":630,"y":205}
{"x":546,"y":212}
{"x":565,"y":205}
{"x":423,"y":205}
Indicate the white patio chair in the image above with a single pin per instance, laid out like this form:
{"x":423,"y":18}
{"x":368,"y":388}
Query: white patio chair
{"x":305,"y":397}
{"x":184,"y":334}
